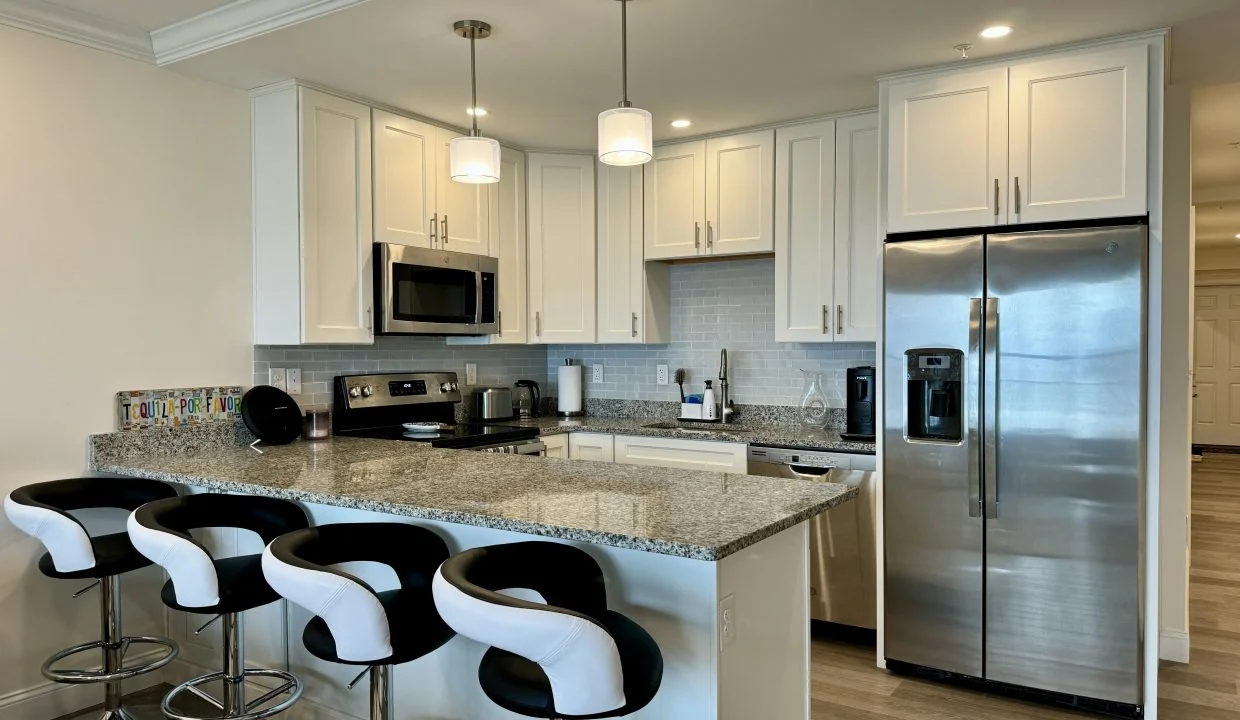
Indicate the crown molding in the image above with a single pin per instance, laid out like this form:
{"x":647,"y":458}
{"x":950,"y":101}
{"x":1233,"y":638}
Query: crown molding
{"x":78,"y":27}
{"x":236,"y":22}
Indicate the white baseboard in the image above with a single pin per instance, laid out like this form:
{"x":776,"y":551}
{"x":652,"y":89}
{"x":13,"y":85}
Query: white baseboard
{"x":1173,"y":646}
{"x":50,"y":699}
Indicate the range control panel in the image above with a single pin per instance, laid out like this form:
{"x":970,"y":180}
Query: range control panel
{"x":394,"y":389}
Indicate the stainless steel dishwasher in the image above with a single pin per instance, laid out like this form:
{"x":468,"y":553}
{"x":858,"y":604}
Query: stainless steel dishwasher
{"x":843,"y":570}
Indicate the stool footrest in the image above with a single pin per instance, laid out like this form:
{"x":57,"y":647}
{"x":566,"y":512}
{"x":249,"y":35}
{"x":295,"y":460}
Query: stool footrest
{"x":75,"y":676}
{"x":290,"y":684}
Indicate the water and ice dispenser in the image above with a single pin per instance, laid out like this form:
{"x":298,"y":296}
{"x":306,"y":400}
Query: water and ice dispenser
{"x":935,"y":399}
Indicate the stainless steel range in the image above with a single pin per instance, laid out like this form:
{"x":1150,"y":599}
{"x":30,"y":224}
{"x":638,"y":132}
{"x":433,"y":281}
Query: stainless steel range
{"x":382,"y":406}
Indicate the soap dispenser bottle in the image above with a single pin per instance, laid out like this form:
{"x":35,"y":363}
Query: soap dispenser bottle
{"x":709,"y":410}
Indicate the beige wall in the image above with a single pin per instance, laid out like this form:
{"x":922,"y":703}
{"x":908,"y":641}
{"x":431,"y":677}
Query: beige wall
{"x":124,"y":263}
{"x":1221,"y":257}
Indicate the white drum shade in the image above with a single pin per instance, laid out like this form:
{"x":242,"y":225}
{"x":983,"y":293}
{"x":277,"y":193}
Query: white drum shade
{"x":625,"y":136}
{"x":474,"y":159}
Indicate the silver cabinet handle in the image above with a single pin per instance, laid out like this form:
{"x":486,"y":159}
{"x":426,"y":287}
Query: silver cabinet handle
{"x":710,"y":235}
{"x":839,"y":319}
{"x":434,"y":229}
{"x":444,"y":234}
{"x":697,"y":235}
{"x":826,"y":319}
{"x":973,"y":406}
{"x":370,"y":320}
{"x":634,"y":324}
{"x":996,"y":197}
{"x":1018,"y":196}
{"x":538,"y":324}
{"x":990,"y":442}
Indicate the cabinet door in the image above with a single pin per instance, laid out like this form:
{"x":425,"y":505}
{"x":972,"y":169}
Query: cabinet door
{"x":676,"y":201}
{"x":404,"y":189}
{"x":1079,"y":136}
{"x":509,"y":242}
{"x":591,"y":446}
{"x":682,"y":454}
{"x":947,"y":151}
{"x":557,"y":445}
{"x":464,"y":208}
{"x":562,"y":248}
{"x":620,"y":253}
{"x":856,"y":229}
{"x":805,"y":232}
{"x":740,"y":194}
{"x":336,"y":220}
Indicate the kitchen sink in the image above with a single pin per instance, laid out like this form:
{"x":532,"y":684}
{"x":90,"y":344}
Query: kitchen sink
{"x":695,"y":428}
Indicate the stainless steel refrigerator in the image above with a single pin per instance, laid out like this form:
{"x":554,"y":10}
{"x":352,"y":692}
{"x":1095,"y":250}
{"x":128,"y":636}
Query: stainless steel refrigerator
{"x":1013,"y":466}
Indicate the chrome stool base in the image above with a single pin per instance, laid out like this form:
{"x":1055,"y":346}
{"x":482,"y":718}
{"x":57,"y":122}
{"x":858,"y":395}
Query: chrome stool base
{"x":116,"y":714}
{"x":232,"y":705}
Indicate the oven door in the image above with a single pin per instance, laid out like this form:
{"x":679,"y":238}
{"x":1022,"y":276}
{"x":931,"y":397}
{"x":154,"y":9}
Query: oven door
{"x":434,"y":292}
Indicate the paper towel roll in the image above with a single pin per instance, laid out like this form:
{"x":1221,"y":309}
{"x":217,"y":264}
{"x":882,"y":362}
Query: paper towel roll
{"x":569,"y":400}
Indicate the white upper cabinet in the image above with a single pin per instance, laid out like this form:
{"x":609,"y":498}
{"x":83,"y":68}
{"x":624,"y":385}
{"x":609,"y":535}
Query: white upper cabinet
{"x":826,"y":231}
{"x":805,"y":232}
{"x":405,"y":177}
{"x":740,"y":194}
{"x":562,"y":248}
{"x":464,"y":208}
{"x":1078,"y":136}
{"x":633,"y":296}
{"x":313,"y":219}
{"x":857,"y":241}
{"x":1058,"y":138}
{"x":947,"y":150}
{"x":509,"y":243}
{"x":675,"y":200}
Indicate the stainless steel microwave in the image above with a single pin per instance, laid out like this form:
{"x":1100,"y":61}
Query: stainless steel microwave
{"x":433,"y":292}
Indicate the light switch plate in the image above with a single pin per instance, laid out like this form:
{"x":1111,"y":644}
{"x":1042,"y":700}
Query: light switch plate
{"x":276,"y":378}
{"x":660,"y":375}
{"x":292,"y":378}
{"x":471,"y":373}
{"x":596,"y":373}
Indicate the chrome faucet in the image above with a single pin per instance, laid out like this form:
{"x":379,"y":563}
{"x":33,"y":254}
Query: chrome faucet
{"x":726,"y":408}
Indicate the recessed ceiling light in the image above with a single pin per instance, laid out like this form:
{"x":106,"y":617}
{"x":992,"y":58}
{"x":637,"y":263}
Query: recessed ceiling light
{"x":476,"y":111}
{"x":1238,"y":236}
{"x":996,"y":31}
{"x":681,"y":123}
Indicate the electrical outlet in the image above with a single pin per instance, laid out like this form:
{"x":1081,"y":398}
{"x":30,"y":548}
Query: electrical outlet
{"x":660,"y":375}
{"x":292,"y":378}
{"x":276,"y":378}
{"x":727,"y":622}
{"x":471,"y":373}
{"x":596,"y":373}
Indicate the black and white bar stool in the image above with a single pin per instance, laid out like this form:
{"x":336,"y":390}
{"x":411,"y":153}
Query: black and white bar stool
{"x":353,"y":624}
{"x":226,"y":587}
{"x":569,"y":658}
{"x":42,"y":510}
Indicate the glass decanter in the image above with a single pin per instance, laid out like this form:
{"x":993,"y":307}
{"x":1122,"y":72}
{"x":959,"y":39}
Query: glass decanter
{"x":813,"y":400}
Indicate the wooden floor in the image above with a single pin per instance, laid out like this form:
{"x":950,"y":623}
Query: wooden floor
{"x":846,"y":686}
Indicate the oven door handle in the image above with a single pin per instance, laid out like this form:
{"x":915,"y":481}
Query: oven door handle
{"x":529,"y":448}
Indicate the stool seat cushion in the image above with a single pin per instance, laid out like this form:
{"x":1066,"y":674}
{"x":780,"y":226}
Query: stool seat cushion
{"x":520,"y":686}
{"x":114,"y":554}
{"x":241,"y":586}
{"x":414,"y":626}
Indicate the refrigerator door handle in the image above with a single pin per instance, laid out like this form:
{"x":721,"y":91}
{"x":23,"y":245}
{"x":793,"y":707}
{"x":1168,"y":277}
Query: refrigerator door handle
{"x":990,"y":414}
{"x":973,"y":403}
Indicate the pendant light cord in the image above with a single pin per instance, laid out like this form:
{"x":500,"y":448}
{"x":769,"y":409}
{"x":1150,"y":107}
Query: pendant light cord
{"x":624,"y":52}
{"x":473,"y":85}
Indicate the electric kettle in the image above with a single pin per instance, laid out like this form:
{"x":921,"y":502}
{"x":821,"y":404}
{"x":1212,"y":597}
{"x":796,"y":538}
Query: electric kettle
{"x":527,"y":399}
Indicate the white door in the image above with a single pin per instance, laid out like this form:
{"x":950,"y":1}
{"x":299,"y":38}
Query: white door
{"x":509,"y":243}
{"x":740,"y":194}
{"x":464,"y":208}
{"x":336,"y":220}
{"x":947,"y":151}
{"x":1079,"y":136}
{"x":1216,"y":359}
{"x":620,"y":261}
{"x":404,"y":185}
{"x":856,"y":229}
{"x":562,"y":248}
{"x":805,"y":232}
{"x":675,"y":201}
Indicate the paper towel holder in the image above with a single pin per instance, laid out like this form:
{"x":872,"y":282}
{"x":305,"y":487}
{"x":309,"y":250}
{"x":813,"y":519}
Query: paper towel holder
{"x":581,"y":406}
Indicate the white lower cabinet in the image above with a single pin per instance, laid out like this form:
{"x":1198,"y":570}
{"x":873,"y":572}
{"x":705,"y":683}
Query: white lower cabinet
{"x":557,"y":445}
{"x":592,"y":446}
{"x":682,"y":454}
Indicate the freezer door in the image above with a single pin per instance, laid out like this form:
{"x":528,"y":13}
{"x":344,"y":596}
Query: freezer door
{"x":1063,"y":435}
{"x":934,"y":529}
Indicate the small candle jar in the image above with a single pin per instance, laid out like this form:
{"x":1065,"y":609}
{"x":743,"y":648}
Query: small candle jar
{"x":317,"y":425}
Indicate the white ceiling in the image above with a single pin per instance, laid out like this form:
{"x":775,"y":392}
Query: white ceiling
{"x":552,"y":65}
{"x":1218,"y":223}
{"x":142,"y":14}
{"x":1216,"y":136}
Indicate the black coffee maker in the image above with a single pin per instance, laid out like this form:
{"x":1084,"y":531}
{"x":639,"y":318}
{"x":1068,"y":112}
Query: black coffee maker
{"x":862,"y":394}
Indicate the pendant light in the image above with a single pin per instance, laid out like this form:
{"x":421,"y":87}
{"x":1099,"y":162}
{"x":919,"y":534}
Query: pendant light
{"x":474,"y":159}
{"x":625,"y":133}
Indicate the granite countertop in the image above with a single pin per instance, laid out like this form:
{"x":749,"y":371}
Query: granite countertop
{"x":783,"y":435}
{"x":699,"y":515}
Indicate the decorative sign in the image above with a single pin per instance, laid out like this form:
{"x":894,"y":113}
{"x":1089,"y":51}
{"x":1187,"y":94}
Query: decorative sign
{"x":141,"y":409}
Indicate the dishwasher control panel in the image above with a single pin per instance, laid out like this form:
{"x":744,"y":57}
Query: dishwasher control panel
{"x":810,"y":458}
